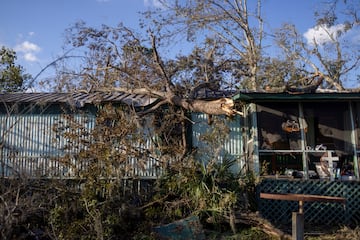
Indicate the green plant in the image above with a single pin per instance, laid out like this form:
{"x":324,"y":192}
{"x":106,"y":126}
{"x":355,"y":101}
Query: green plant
{"x":203,"y":184}
{"x":191,"y":187}
{"x":99,"y":158}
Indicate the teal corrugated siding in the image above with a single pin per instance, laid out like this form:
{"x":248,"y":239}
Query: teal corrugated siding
{"x":31,"y":147}
{"x":232,"y":147}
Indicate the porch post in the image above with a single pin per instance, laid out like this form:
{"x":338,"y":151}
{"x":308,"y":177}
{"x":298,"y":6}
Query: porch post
{"x":254,"y":135}
{"x":303,"y":141}
{"x":353,"y":140}
{"x":297,"y":226}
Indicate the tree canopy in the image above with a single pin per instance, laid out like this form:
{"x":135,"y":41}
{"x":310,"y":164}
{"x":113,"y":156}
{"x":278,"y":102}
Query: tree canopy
{"x":12,"y":76}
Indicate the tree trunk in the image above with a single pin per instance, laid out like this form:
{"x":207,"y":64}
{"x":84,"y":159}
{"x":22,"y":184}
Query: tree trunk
{"x":222,"y":106}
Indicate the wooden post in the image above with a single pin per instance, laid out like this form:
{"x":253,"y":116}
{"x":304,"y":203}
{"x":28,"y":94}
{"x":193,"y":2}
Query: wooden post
{"x":302,"y":124}
{"x":301,"y":206}
{"x":297,"y":226}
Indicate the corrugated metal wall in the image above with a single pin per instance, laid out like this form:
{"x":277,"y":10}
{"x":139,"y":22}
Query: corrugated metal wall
{"x":231,"y":148}
{"x":33,"y":145}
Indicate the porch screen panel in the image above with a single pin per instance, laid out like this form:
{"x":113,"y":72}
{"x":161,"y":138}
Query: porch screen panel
{"x":330,"y":126}
{"x":278,"y":126}
{"x":279,"y":134}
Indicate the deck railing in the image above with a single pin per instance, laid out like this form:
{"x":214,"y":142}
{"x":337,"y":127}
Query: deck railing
{"x":331,"y":214}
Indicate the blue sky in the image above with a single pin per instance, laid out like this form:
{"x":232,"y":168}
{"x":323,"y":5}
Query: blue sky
{"x":35,"y":28}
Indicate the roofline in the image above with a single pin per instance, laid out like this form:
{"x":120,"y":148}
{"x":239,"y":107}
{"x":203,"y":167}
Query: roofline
{"x":78,"y":99}
{"x":301,"y":97}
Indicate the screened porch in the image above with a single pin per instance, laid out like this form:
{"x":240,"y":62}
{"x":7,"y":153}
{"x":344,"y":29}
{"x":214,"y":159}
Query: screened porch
{"x":306,"y":136}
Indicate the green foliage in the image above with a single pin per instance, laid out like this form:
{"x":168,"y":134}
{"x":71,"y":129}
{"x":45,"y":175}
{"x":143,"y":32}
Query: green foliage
{"x":12,"y":77}
{"x":248,"y":182}
{"x":96,"y":203}
{"x":100,"y":163}
{"x":191,"y":187}
{"x":202,"y":184}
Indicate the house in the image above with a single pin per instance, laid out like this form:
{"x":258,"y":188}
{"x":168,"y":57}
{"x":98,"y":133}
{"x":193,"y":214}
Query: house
{"x":282,"y":137}
{"x":279,"y":134}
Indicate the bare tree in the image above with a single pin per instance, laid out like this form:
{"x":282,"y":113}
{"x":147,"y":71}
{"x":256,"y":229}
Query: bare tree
{"x":232,"y":23}
{"x":327,"y":49}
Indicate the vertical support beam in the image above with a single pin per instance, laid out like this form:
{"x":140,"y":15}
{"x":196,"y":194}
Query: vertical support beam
{"x":303,"y":141}
{"x":353,"y":139}
{"x":245,"y":134}
{"x":297,"y":226}
{"x":254,"y":133}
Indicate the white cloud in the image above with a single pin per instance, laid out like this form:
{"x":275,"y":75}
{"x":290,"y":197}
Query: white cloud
{"x":27,"y":46}
{"x":154,"y":3}
{"x":28,"y":50}
{"x":30,"y":57}
{"x":322,"y":34}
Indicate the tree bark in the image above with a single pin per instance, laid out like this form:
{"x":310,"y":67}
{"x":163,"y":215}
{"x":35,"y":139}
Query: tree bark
{"x":222,"y":106}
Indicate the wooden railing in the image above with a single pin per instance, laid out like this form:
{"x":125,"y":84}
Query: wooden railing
{"x":280,"y":212}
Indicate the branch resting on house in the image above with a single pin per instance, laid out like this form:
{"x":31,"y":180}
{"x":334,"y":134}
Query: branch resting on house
{"x":311,"y":88}
{"x":222,"y":106}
